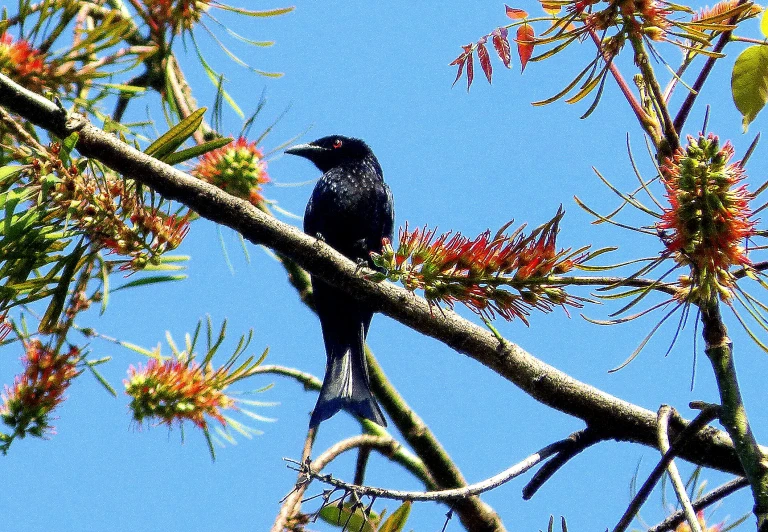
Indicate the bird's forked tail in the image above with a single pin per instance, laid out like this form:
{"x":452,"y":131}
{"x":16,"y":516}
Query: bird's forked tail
{"x":346,"y":386}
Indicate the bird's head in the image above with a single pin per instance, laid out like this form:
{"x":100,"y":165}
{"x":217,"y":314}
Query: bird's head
{"x":329,"y":152}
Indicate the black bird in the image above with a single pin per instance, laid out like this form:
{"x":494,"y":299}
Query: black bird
{"x":351,"y":209}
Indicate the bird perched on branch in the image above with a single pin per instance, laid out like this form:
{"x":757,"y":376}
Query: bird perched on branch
{"x":351,"y":209}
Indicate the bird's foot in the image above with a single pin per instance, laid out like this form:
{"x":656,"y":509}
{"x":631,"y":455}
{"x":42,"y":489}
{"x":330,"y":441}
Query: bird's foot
{"x":361,"y":263}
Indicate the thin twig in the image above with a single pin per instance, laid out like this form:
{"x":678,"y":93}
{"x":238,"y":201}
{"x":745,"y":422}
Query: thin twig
{"x":685,"y":108}
{"x":707,"y":414}
{"x":648,"y":124}
{"x":442,"y":495}
{"x":569,"y":448}
{"x":665,"y":411}
{"x":292,"y":503}
{"x":717,"y":494}
{"x":576,"y":280}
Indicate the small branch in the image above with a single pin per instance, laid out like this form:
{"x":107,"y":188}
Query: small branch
{"x":665,"y":411}
{"x":707,"y":414}
{"x":646,"y":121}
{"x":667,"y":288}
{"x":309,"y":381}
{"x":435,"y":496}
{"x":670,"y":141}
{"x":568,"y":448}
{"x":717,"y":494}
{"x":733,"y":415}
{"x":758,"y":266}
{"x":685,"y":108}
{"x":20,"y":133}
{"x":291,"y":506}
{"x":292,"y":502}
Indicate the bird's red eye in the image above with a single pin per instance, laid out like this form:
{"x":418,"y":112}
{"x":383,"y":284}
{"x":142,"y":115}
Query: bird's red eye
{"x":337,"y":143}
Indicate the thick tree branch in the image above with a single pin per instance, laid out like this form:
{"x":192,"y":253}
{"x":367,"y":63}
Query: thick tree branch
{"x":619,"y":419}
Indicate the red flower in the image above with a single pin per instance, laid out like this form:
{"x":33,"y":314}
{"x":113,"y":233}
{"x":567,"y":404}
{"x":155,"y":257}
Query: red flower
{"x":177,"y":390}
{"x":27,"y":405}
{"x":708,"y":218}
{"x":452,"y":267}
{"x":174,"y":15}
{"x":23,"y":63}
{"x":238,"y":168}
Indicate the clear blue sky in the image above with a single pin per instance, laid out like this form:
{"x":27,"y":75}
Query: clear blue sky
{"x":460,"y":161}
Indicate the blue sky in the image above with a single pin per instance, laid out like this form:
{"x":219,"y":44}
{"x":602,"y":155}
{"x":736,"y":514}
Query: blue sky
{"x":460,"y":161}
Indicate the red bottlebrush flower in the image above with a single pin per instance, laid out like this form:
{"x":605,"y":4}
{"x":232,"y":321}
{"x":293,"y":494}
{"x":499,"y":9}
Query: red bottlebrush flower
{"x":22,"y":63}
{"x":27,"y":405}
{"x":176,"y":390}
{"x":175,"y":15}
{"x":238,"y":168}
{"x":708,"y":219}
{"x":452,"y":267}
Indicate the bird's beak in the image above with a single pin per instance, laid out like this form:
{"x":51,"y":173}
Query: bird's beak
{"x":304,"y":150}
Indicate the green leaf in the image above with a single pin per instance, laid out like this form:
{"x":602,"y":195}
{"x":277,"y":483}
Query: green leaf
{"x":150,"y":280}
{"x":216,"y":79}
{"x":749,"y":82}
{"x":263,"y":13}
{"x":67,"y":146}
{"x":9,"y":172}
{"x":396,"y":521}
{"x":196,"y":151}
{"x":56,"y":306}
{"x":125,"y":89}
{"x":104,"y":274}
{"x":100,"y":378}
{"x":344,"y":517}
{"x":176,"y":136}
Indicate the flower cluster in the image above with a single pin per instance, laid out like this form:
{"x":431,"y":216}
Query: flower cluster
{"x":238,"y":168}
{"x":453,"y":267}
{"x":177,"y":390}
{"x":175,"y":16}
{"x":708,"y":218}
{"x":22,"y":63}
{"x":27,"y":405}
{"x":110,"y":211}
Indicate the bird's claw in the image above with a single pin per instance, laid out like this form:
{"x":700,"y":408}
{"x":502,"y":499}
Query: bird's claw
{"x":361,"y":263}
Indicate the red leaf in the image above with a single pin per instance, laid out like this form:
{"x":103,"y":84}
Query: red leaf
{"x":470,"y":68}
{"x":514,"y":13}
{"x":461,"y":61}
{"x":485,"y":59}
{"x":525,"y":36}
{"x":501,"y":43}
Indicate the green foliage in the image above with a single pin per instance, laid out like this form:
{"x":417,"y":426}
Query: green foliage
{"x":350,"y":516}
{"x":749,"y":82}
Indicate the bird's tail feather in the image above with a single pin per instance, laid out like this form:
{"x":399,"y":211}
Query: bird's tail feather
{"x":346,"y":386}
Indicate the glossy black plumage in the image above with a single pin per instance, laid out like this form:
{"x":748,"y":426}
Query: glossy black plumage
{"x":351,"y":209}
